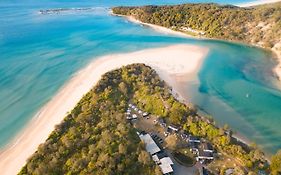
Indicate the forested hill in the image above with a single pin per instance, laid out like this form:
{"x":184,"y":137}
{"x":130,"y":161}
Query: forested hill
{"x":259,"y":25}
{"x":95,"y":137}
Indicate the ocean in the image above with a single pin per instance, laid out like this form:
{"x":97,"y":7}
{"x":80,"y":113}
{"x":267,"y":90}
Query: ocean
{"x":40,"y":53}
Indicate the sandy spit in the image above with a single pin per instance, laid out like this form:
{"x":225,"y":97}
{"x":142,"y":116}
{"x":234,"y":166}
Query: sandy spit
{"x":169,"y":62}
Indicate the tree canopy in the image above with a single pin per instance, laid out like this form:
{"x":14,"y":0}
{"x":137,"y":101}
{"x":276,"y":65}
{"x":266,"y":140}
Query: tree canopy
{"x":259,"y":25}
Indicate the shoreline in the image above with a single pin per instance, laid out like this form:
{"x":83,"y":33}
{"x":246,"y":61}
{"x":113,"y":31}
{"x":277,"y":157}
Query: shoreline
{"x":157,"y":28}
{"x":169,"y":62}
{"x":276,"y":54}
{"x":257,"y":2}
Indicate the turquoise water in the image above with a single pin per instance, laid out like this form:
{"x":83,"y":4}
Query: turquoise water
{"x":39,"y":53}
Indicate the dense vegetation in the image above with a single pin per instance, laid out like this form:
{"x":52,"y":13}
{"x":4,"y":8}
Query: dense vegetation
{"x":259,"y":25}
{"x":95,"y":137}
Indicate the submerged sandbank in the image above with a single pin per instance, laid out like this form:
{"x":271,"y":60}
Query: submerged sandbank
{"x":169,"y":62}
{"x":165,"y":30}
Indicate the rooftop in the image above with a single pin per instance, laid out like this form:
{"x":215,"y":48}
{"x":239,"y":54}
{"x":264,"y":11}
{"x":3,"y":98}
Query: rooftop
{"x":205,"y":155}
{"x":166,"y":168}
{"x":150,"y":145}
{"x":194,"y":139}
{"x":166,"y":160}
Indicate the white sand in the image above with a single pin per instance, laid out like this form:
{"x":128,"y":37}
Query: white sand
{"x":257,"y":2}
{"x":277,"y":69}
{"x":277,"y":50}
{"x":167,"y":61}
{"x":157,"y":28}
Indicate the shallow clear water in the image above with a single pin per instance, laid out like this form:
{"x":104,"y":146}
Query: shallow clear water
{"x":39,"y":53}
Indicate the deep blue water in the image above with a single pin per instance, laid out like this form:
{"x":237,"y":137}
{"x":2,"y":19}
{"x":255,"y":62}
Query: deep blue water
{"x":39,"y":53}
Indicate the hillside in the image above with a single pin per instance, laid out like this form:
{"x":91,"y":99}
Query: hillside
{"x":259,"y":25}
{"x":95,"y":138}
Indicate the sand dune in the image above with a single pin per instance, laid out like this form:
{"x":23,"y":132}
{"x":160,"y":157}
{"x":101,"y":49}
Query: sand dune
{"x":168,"y":61}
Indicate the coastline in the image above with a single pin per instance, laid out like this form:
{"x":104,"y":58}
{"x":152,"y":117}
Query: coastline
{"x":276,"y":55}
{"x":169,"y":62}
{"x":165,"y":30}
{"x":277,"y":52}
{"x":157,"y":28}
{"x":257,"y":2}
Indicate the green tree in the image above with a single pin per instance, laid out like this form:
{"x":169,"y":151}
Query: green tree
{"x":144,"y":158}
{"x":275,"y":165}
{"x":172,"y":141}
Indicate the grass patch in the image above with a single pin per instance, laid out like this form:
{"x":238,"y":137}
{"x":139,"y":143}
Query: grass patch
{"x":184,"y":157}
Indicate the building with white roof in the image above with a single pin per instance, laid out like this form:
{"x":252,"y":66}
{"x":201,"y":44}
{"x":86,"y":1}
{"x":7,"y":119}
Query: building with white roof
{"x":166,"y":168}
{"x":166,"y":160}
{"x":150,"y":145}
{"x":165,"y":163}
{"x":156,"y":159}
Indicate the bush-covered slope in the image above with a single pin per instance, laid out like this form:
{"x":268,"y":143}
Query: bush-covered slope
{"x":259,"y":25}
{"x":95,"y":137}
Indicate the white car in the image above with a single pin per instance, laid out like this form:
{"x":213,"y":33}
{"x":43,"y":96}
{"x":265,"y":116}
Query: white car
{"x":135,"y":116}
{"x":129,"y":117}
{"x":145,"y":114}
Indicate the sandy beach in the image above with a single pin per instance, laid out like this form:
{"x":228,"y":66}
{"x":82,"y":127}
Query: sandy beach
{"x":257,"y":2}
{"x":277,"y":69}
{"x":275,"y":50}
{"x":169,"y":62}
{"x":155,"y":27}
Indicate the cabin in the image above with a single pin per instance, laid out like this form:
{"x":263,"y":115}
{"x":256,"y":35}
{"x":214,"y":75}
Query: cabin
{"x":194,"y":139}
{"x":166,"y":164}
{"x":207,"y":147}
{"x":202,"y":155}
{"x":173,"y":127}
{"x":150,"y":144}
{"x":159,"y":157}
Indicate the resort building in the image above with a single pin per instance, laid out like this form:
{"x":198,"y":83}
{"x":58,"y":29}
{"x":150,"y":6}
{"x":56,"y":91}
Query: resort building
{"x":159,"y":157}
{"x":166,"y":165}
{"x":150,"y":144}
